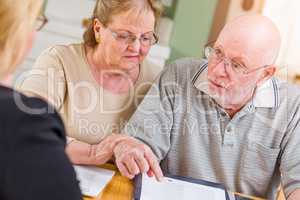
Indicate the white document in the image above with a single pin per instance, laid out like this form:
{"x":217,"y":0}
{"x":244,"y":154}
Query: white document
{"x":173,"y":189}
{"x":92,"y":179}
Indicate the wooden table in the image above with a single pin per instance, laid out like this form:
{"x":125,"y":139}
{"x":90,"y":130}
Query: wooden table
{"x":121,"y":188}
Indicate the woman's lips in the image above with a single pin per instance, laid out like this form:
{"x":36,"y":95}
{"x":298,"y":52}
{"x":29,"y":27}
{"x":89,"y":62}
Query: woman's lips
{"x":133,"y":58}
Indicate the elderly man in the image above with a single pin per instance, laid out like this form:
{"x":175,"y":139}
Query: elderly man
{"x":227,"y":120}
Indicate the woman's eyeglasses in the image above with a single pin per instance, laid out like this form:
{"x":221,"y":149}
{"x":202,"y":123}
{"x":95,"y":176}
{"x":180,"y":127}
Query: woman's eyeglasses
{"x":127,"y":38}
{"x":40,"y":22}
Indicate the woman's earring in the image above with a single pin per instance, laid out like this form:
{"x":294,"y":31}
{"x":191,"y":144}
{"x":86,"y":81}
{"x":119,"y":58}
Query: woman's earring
{"x":98,"y":40}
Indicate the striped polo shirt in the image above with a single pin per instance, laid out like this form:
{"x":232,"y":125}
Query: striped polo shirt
{"x":192,"y":136}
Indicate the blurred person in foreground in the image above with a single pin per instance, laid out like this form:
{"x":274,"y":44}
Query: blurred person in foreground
{"x":32,"y":141}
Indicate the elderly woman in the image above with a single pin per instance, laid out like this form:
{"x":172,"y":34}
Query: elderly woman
{"x":32,"y":155}
{"x":97,"y":85}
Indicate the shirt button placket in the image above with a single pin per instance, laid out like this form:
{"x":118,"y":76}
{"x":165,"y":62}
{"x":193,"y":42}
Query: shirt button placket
{"x":229,"y":136}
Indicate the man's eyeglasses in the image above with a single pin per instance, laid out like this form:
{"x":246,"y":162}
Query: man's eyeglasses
{"x":40,"y":22}
{"x":216,"y":56}
{"x":127,"y":38}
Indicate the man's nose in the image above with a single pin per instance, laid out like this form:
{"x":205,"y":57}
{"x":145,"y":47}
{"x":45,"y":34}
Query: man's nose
{"x":220,"y":69}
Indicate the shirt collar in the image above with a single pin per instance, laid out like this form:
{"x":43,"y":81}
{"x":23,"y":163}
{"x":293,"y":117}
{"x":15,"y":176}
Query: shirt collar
{"x":266,"y":95}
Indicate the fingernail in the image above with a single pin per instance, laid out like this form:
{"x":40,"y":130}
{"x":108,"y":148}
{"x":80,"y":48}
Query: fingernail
{"x":160,"y":179}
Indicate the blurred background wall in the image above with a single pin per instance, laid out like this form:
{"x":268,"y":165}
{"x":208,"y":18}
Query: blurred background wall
{"x":192,"y":22}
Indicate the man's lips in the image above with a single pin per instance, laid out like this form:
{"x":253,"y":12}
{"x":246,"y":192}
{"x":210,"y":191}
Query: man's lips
{"x":215,"y":84}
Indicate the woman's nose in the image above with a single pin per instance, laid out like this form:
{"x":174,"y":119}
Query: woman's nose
{"x":135,"y":45}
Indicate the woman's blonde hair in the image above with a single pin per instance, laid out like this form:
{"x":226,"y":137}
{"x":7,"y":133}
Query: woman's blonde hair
{"x":105,"y":9}
{"x":16,"y":22}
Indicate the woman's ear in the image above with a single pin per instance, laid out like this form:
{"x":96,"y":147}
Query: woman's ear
{"x":97,"y":25}
{"x":269,"y":71}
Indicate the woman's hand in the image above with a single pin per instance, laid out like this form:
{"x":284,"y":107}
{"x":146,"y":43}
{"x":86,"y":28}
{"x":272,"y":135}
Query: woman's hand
{"x":96,"y":154}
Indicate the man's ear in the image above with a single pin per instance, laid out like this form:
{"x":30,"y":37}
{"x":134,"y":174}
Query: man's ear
{"x":269,"y":71}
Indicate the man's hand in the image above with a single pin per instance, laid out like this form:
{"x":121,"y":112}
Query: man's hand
{"x":103,"y":152}
{"x":133,"y":157}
